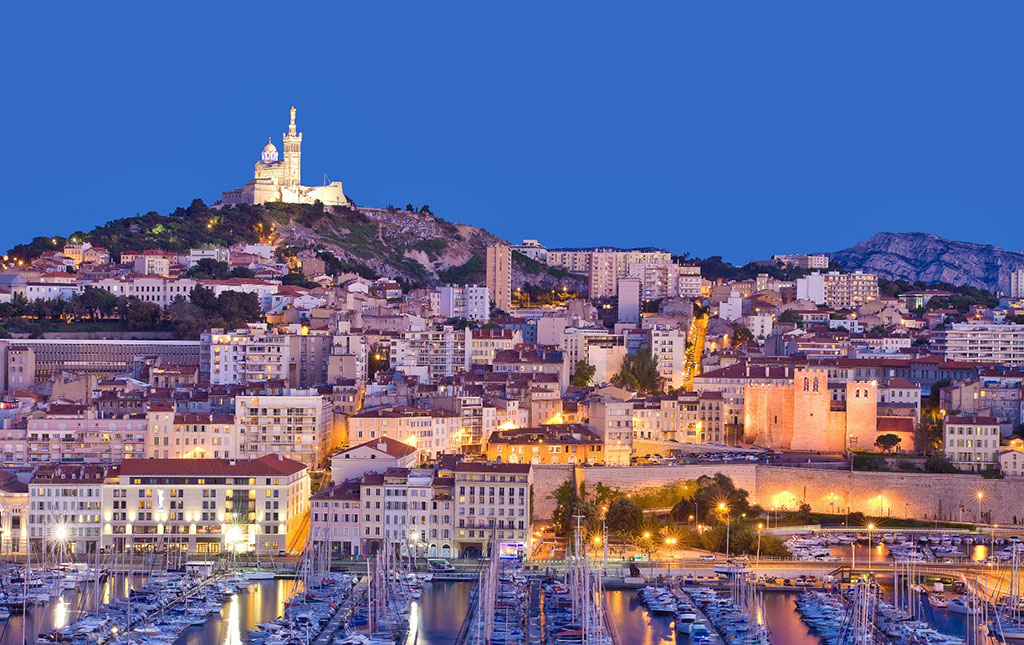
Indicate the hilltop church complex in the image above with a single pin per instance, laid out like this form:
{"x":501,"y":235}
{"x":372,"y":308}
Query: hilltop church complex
{"x":280,"y":180}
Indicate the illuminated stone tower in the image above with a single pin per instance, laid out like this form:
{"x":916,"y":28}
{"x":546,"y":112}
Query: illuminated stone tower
{"x":292,"y":155}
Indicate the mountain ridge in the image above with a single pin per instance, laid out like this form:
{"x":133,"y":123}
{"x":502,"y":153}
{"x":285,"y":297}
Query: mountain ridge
{"x":931,"y":259}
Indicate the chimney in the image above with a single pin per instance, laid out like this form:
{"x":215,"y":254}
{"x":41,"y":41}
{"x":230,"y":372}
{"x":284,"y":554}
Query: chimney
{"x":280,"y":457}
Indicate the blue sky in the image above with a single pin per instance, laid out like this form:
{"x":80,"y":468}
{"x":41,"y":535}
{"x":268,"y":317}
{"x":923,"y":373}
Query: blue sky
{"x":738,"y":129}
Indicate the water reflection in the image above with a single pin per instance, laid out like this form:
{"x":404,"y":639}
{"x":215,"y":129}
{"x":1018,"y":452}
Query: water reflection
{"x":234,"y":630}
{"x":60,"y":613}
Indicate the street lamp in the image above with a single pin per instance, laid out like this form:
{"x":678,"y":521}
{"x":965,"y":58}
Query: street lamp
{"x":670,"y":542}
{"x":725,"y":509}
{"x":871,"y":527}
{"x":979,"y":495}
{"x":757,"y":558}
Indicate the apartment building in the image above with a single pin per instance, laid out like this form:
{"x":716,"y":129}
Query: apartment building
{"x":612,"y":420}
{"x":802,"y":260}
{"x":250,"y":355}
{"x":603,"y":274}
{"x":1017,"y":283}
{"x":499,"y":275}
{"x":432,"y":432}
{"x":65,"y":506}
{"x":374,"y":455}
{"x":549,"y":444}
{"x":78,"y":434}
{"x":298,"y":424}
{"x":532,"y":361}
{"x":334,"y":518}
{"x":206,"y":506}
{"x":982,"y":342}
{"x":690,"y":417}
{"x":190,"y":435}
{"x":492,"y":500}
{"x":470,"y":301}
{"x":487,"y":343}
{"x":532,"y":249}
{"x":972,"y":443}
{"x":52,"y":355}
{"x":668,"y":346}
{"x":838,"y":290}
{"x":432,"y":354}
{"x":571,"y":260}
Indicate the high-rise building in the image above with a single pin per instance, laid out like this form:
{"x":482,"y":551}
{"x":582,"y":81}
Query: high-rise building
{"x":471,"y":302}
{"x":1017,"y":284}
{"x":838,"y":290}
{"x":499,"y":275}
{"x":629,"y":300}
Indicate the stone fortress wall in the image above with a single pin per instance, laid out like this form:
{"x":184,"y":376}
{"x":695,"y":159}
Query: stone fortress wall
{"x":877,"y":494}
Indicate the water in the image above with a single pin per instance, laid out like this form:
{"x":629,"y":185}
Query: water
{"x":635,"y":625}
{"x":439,"y":615}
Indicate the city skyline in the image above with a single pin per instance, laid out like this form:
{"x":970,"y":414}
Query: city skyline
{"x":666,"y":113}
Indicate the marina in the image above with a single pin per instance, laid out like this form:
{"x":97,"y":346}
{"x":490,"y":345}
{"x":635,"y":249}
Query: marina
{"x":438,"y":615}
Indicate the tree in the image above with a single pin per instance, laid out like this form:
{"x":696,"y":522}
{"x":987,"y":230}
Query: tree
{"x":741,"y":335}
{"x":208,"y":269}
{"x":570,"y":503}
{"x":790,"y":316}
{"x":937,"y":463}
{"x":711,"y":493}
{"x":623,"y":517}
{"x":298,"y":280}
{"x":640,"y":372}
{"x":96,"y":302}
{"x":887,"y":441}
{"x":241,"y":272}
{"x":1019,"y":431}
{"x":138,"y":315}
{"x":583,"y":373}
{"x":647,"y":538}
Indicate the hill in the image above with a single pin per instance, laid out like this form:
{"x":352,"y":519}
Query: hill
{"x":930,"y":259}
{"x":413,"y":246}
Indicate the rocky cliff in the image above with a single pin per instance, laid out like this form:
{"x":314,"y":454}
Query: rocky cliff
{"x":414,"y":245}
{"x":928,"y":258}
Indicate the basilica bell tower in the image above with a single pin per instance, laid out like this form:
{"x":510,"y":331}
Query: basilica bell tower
{"x":292,"y":155}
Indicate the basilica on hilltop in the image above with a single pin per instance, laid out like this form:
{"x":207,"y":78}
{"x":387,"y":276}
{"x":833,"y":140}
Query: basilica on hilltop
{"x":280,"y":180}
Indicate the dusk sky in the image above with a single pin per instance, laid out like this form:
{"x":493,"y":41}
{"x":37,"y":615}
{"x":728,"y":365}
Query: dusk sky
{"x":734,"y":129}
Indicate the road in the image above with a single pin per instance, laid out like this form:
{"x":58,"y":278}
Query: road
{"x":694,"y":350}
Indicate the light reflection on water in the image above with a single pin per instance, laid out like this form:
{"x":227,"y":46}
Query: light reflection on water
{"x":438,"y":616}
{"x":60,"y":613}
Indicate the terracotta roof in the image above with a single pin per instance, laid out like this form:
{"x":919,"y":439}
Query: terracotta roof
{"x":568,"y":433}
{"x":69,"y":473}
{"x":487,"y":467}
{"x":268,"y":465}
{"x":902,"y":383}
{"x":387,"y":445}
{"x":346,"y":490}
{"x":203,"y":417}
{"x":969,"y":420}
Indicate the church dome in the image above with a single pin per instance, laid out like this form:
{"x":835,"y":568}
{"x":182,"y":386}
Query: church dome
{"x":269,"y":152}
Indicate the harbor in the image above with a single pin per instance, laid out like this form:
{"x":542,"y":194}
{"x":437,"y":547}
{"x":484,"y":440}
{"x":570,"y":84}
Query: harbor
{"x":439,"y":614}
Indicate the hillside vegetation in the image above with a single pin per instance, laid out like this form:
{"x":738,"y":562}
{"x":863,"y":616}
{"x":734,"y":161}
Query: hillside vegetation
{"x":412,"y":246}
